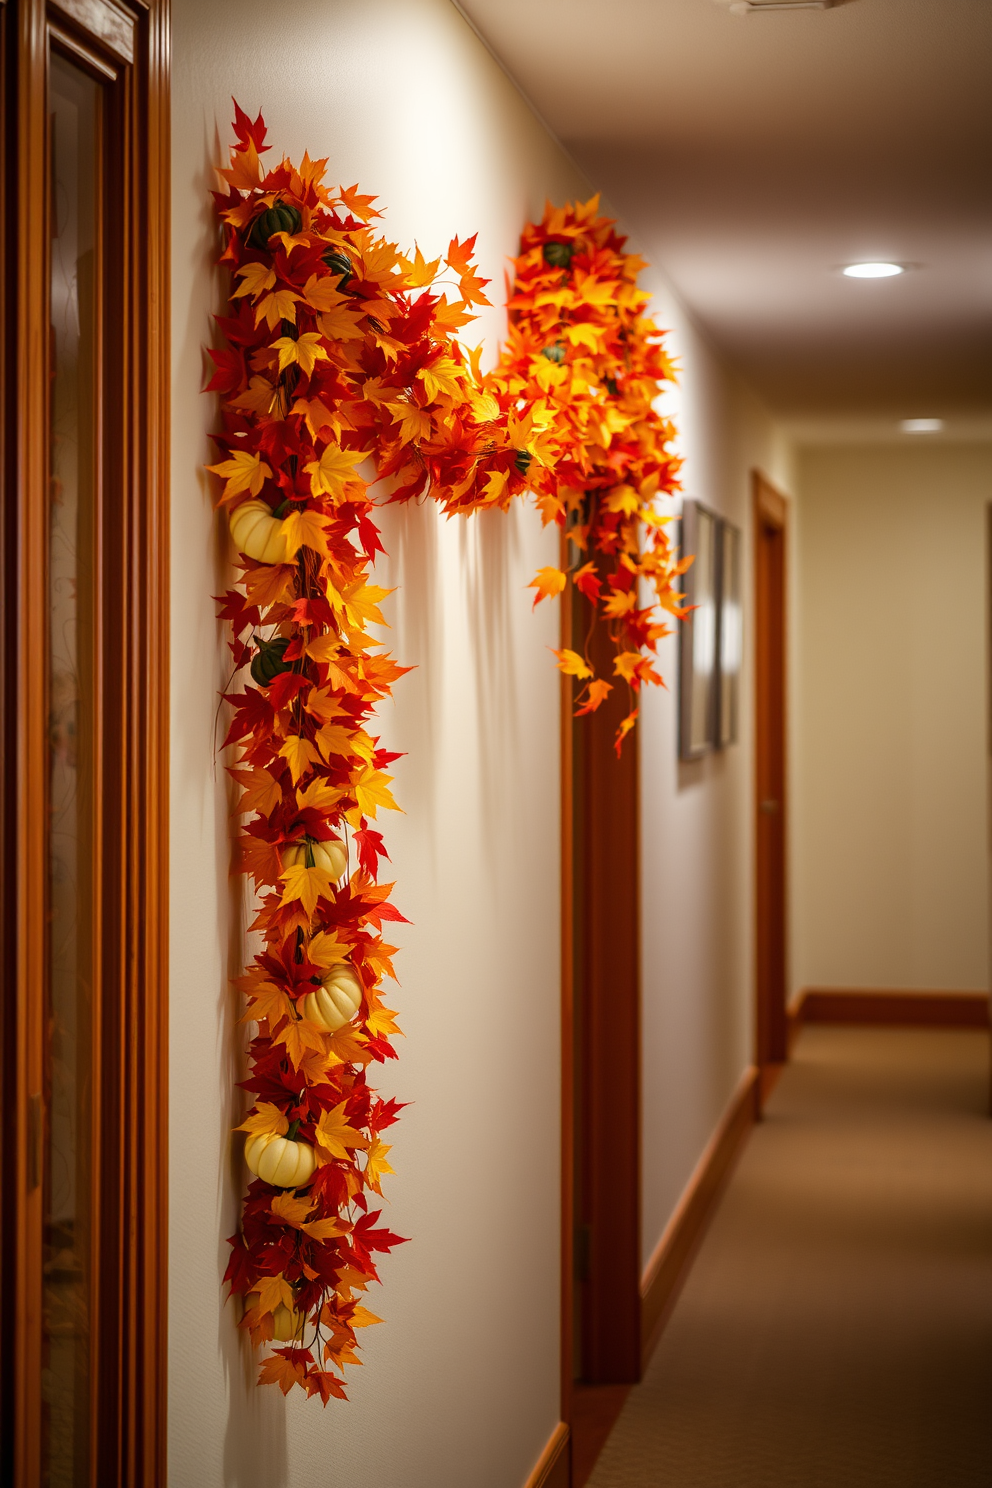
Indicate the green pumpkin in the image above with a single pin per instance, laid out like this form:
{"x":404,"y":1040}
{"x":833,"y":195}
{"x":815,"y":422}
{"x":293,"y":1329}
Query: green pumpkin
{"x":559,"y":255}
{"x":280,"y":217}
{"x":522,"y":461}
{"x":554,"y":353}
{"x":268,"y":662}
{"x":339,"y":263}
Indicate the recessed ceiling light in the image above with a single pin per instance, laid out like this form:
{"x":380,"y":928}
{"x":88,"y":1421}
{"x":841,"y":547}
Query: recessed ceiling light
{"x":922,"y":426}
{"x":873,"y":270}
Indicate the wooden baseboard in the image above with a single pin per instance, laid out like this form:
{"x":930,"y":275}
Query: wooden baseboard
{"x":552,"y":1470}
{"x":892,"y":1008}
{"x":669,"y":1265}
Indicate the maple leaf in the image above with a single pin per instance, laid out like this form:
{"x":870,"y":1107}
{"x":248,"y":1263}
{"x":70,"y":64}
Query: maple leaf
{"x":376,"y":1166}
{"x":627,"y":665}
{"x":242,"y":472}
{"x":301,"y":754}
{"x":362,"y":1318}
{"x":284,"y":1368}
{"x":382,"y":1021}
{"x":571,"y":663}
{"x":624,"y":730}
{"x":597,"y":693}
{"x":359,"y":206}
{"x":275,"y":307}
{"x":335,"y":1135}
{"x":420,"y":273}
{"x":371,"y":791}
{"x":307,"y":885}
{"x":304,"y":352}
{"x":260,"y":792}
{"x":325,"y":950}
{"x":256,"y":277}
{"x":336,"y":467}
{"x":548,"y":582}
{"x":299,"y":1036}
{"x":266,"y":1119}
{"x":290,"y":1210}
{"x":325,"y":1229}
{"x":305,"y":529}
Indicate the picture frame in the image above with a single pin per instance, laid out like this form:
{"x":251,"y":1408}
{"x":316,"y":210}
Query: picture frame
{"x":711,"y":636}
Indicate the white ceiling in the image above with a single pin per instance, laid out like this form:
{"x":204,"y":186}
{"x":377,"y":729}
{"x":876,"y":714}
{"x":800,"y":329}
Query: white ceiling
{"x":751,"y":156}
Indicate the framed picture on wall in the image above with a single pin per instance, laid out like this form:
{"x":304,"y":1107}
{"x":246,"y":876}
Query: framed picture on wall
{"x":710,"y":648}
{"x":698,"y":638}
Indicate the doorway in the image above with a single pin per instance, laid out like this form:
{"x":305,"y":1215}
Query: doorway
{"x":770,"y":511}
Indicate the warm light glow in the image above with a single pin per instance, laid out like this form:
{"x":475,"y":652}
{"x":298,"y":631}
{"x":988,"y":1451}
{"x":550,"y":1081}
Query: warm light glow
{"x":922,"y":426}
{"x":873,"y":270}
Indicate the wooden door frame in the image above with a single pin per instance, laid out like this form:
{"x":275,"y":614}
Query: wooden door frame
{"x":770,"y":520}
{"x":126,"y":44}
{"x":606,"y":930}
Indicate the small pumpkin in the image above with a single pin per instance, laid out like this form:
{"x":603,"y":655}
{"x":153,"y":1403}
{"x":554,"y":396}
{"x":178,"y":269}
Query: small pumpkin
{"x":559,"y":255}
{"x":335,"y":1000}
{"x":522,"y":461}
{"x":331,"y":855}
{"x":339,"y":263}
{"x":268,"y":662}
{"x":287,"y":1323}
{"x":258,"y":532}
{"x":555,"y":353}
{"x":282,"y":1161}
{"x":280,"y":217}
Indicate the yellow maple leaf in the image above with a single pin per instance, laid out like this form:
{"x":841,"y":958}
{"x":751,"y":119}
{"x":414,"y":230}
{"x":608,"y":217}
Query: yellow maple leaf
{"x":278,"y":306}
{"x":301,"y":754}
{"x":304,"y":351}
{"x":335,"y":738}
{"x":340,"y":324}
{"x":623,"y":499}
{"x":548,"y":582}
{"x":325,"y":1229}
{"x":443,"y":379}
{"x":376,"y":1166}
{"x":415,"y":423}
{"x":335,"y":1135}
{"x":325,"y":950}
{"x":627,"y":664}
{"x":371,"y":791}
{"x":242,"y":472}
{"x":305,"y":529}
{"x":362,"y":1318}
{"x":382,"y":1021}
{"x":255,"y":277}
{"x":265,"y":1120}
{"x":331,"y":473}
{"x":571,"y":663}
{"x":307,"y":885}
{"x":619,"y":602}
{"x":299,"y":1036}
{"x":271,"y":1291}
{"x":419,"y":273}
{"x":290,"y":1210}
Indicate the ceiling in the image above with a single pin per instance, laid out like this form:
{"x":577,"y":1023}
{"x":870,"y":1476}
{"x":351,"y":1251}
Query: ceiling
{"x":752,"y":156}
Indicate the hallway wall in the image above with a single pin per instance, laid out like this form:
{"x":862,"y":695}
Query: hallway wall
{"x":696,"y":817}
{"x":461,"y":1384}
{"x":890,"y":880}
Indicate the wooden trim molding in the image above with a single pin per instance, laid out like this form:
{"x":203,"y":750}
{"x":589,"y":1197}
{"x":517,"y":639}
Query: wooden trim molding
{"x":552,"y":1469}
{"x":668,"y":1267}
{"x":891,"y":1007}
{"x":124,"y":44}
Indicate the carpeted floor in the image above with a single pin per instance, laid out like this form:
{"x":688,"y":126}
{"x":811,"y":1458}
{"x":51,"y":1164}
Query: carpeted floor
{"x":836,"y":1328}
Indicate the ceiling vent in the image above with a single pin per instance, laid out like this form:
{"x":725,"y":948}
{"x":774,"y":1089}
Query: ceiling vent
{"x":749,"y":7}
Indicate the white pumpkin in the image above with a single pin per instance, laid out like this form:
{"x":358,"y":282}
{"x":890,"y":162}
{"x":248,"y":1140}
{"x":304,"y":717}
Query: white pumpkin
{"x":336,"y":1001}
{"x":257,"y":533}
{"x":287,"y":1323}
{"x":332,"y":855}
{"x":281,"y":1161}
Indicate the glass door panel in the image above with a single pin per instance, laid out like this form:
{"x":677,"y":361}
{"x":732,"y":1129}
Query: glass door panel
{"x":70,"y":959}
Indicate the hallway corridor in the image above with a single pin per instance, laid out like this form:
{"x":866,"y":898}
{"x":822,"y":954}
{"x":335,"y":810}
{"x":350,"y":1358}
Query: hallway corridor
{"x":836,"y":1328}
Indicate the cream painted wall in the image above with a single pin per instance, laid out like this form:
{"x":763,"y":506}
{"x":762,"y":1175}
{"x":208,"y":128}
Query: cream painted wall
{"x":461,"y":1385}
{"x":890,"y":865}
{"x":696,"y":824}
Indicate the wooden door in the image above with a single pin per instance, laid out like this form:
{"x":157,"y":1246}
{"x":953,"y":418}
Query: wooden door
{"x":770,"y":517}
{"x":83,"y":713}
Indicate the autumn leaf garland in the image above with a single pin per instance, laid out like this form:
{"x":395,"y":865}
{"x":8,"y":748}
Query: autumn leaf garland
{"x":581,"y":348}
{"x":340,"y":358}
{"x":342,"y":367}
